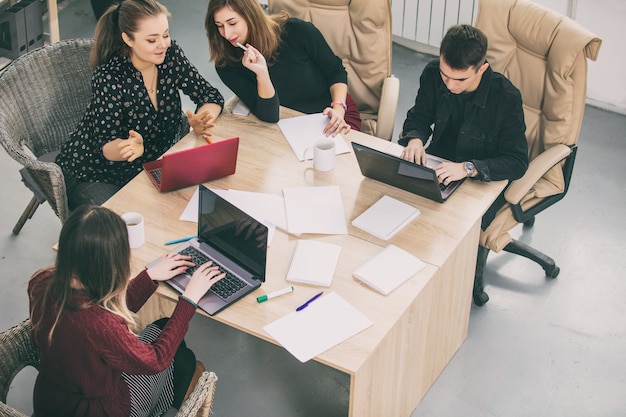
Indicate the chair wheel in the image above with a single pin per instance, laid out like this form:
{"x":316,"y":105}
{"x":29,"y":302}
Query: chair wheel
{"x":553,"y":272}
{"x":481,"y":299}
{"x":530,"y":222}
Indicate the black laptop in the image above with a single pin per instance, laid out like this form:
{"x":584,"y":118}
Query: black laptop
{"x":234,"y":241}
{"x":409,"y":176}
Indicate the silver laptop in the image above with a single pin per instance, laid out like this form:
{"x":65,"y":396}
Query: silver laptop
{"x":409,"y":176}
{"x":234,"y":241}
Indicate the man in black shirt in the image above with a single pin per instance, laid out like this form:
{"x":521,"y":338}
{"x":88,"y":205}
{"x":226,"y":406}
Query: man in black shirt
{"x":474,"y":115}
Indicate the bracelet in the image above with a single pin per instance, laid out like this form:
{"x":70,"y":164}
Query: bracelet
{"x":182,"y":297}
{"x":343,"y":104}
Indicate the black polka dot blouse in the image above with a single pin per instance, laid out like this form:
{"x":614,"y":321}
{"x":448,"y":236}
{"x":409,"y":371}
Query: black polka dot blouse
{"x":120,"y":103}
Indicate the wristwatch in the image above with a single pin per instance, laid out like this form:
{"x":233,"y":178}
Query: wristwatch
{"x":469,"y":168}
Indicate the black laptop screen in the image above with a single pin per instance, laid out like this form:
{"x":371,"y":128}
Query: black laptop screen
{"x":234,"y":233}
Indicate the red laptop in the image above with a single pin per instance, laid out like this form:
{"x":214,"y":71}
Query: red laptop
{"x":193,"y":166}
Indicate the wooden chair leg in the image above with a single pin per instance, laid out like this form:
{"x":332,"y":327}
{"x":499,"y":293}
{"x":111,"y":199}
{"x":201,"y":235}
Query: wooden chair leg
{"x":28,"y":213}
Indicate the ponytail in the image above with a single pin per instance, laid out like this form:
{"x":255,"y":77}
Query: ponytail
{"x":117,"y":19}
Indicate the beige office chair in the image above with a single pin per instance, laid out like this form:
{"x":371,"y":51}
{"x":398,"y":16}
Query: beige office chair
{"x":545,"y":55}
{"x":43,"y":95}
{"x":18,"y":351}
{"x":359,"y":32}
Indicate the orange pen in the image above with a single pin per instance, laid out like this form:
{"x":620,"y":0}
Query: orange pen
{"x":208,"y":139}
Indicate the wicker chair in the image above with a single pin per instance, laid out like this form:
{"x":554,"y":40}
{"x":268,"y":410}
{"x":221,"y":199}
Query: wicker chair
{"x":43,"y":95}
{"x":18,"y":351}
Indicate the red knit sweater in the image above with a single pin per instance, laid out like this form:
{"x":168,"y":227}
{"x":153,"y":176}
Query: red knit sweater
{"x":80,"y":371}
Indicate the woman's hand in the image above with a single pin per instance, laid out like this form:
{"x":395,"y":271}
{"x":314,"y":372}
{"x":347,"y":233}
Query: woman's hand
{"x":202,"y":280}
{"x":171,"y":265}
{"x":254,"y":61}
{"x":201,"y":122}
{"x":336,"y":123}
{"x":131,"y":148}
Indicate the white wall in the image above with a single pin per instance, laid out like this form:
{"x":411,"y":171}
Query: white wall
{"x":419,"y":24}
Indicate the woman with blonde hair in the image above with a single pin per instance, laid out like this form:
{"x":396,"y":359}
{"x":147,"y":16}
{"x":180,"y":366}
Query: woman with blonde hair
{"x":83,"y":316}
{"x":270,"y":61}
{"x":135,"y":113}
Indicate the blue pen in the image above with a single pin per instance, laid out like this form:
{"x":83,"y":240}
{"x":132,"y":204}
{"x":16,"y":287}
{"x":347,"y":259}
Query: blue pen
{"x":182,"y":239}
{"x":305,"y":305}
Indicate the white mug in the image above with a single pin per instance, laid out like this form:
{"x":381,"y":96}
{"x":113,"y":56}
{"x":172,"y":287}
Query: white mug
{"x":323,"y":154}
{"x":134,"y":224}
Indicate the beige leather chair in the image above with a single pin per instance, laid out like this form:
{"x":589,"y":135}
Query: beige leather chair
{"x":544,"y":54}
{"x":359,"y":32}
{"x":18,"y":351}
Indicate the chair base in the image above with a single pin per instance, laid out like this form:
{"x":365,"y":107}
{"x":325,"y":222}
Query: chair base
{"x":28,"y":213}
{"x":549,"y":266}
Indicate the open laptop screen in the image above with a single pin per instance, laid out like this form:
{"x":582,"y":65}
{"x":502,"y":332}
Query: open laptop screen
{"x":234,"y":233}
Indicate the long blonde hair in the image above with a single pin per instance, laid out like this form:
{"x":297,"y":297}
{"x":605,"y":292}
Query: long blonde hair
{"x":94,"y":252}
{"x":121,"y":18}
{"x":264,"y":31}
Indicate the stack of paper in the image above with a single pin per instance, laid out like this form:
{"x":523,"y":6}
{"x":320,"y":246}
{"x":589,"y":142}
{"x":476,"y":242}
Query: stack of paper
{"x":388,"y":269}
{"x":386,"y":217}
{"x":315,"y":210}
{"x":314,"y":263}
{"x":325,"y":322}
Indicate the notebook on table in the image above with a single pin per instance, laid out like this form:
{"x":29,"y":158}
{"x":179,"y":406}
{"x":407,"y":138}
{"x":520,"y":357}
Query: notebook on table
{"x":234,"y":241}
{"x":408,"y":176}
{"x":193,"y":166}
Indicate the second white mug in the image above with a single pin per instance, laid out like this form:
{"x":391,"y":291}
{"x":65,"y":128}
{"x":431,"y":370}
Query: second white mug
{"x":323,"y":154}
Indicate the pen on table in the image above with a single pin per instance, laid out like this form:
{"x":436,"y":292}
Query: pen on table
{"x":241,"y":46}
{"x":182,"y":239}
{"x":274,"y":294}
{"x":309,"y":301}
{"x":208,"y":139}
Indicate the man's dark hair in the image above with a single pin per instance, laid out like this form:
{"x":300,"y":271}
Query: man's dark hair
{"x":464,"y":46}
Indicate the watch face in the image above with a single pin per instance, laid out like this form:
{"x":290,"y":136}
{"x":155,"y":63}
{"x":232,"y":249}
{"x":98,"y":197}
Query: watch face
{"x":469,"y":167}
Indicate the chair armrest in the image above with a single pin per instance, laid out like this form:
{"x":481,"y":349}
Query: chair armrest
{"x":387,"y":108}
{"x":200,"y":401}
{"x":536,"y":169}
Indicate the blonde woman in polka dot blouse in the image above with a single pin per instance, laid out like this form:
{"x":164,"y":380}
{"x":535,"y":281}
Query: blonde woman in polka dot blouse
{"x":135,"y":113}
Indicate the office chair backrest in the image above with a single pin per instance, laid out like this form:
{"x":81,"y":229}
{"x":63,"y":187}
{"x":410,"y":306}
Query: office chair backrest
{"x":359,"y":32}
{"x":43,"y":95}
{"x":544,"y":54}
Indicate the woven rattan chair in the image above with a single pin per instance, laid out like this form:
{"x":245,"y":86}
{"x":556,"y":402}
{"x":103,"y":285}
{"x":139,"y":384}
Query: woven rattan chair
{"x":17,"y":351}
{"x":43,"y":95}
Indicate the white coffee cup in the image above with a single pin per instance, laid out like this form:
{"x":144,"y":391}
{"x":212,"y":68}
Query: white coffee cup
{"x":134,"y":224}
{"x":323,"y":154}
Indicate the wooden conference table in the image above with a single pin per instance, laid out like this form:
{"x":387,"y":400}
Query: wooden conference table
{"x":417,"y":328}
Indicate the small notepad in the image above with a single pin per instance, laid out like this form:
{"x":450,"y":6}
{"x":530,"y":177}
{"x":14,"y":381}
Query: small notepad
{"x":388,"y":269}
{"x":386,"y":217}
{"x":313,"y":263}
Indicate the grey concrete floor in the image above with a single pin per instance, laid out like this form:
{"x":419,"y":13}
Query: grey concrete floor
{"x":540,"y":347}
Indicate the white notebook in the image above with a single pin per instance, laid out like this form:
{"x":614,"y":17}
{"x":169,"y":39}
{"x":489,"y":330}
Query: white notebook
{"x":388,"y":269}
{"x":386,"y":217}
{"x":313,"y":263}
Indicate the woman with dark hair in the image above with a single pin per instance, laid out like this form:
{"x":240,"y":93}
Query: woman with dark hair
{"x":270,"y":61}
{"x":135,"y":111}
{"x":83,"y":316}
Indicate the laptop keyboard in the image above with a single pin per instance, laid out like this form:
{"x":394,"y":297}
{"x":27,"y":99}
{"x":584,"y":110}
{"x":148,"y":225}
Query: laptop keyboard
{"x":156,"y":174}
{"x":223,"y":288}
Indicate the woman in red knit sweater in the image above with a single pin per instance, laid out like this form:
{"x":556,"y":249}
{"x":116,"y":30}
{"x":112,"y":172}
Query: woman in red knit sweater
{"x":82,"y":312}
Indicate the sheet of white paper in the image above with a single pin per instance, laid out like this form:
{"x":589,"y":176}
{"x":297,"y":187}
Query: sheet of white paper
{"x":241,"y":109}
{"x":302,"y":132}
{"x":190,"y":213}
{"x":326,"y":322}
{"x":394,"y":149}
{"x":315,"y":210}
{"x":314,"y":262}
